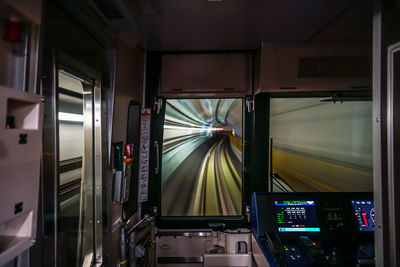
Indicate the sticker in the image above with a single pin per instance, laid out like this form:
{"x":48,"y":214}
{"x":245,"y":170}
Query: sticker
{"x":144,"y":155}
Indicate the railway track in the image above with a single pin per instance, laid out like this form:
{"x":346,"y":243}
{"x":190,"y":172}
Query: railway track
{"x":218,"y":190}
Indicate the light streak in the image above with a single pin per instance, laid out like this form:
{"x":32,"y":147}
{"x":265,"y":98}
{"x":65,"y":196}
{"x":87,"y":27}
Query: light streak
{"x":192,"y":128}
{"x":63,"y":116}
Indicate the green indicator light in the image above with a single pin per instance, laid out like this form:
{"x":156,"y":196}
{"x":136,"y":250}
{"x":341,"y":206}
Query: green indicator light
{"x":286,"y":249}
{"x":293,"y":249}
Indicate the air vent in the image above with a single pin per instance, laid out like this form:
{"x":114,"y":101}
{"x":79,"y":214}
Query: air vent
{"x":288,"y":88}
{"x":327,"y":67}
{"x":109,"y":10}
{"x":117,"y":14}
{"x":366,"y":87}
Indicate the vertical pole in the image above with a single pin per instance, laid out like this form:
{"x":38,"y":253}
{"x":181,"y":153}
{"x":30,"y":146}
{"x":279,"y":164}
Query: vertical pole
{"x":377,"y":139}
{"x":123,"y":260}
{"x":271,"y":170}
{"x":132,"y":250}
{"x":153,"y":244}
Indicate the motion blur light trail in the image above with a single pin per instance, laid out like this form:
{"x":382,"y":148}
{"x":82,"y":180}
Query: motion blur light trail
{"x":202,"y":157}
{"x":322,"y":146}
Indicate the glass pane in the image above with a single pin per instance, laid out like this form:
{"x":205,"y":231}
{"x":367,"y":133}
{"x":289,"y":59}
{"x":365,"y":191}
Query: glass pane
{"x":202,"y":158}
{"x":71,"y":151}
{"x":69,"y":225}
{"x":75,"y":123}
{"x":319,"y":145}
{"x":70,"y":127}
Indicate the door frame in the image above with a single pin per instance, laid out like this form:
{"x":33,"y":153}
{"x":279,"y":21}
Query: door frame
{"x":50,"y":169}
{"x":392,"y":135}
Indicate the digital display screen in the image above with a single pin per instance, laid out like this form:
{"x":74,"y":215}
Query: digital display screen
{"x":365,"y":214}
{"x":296,"y":216}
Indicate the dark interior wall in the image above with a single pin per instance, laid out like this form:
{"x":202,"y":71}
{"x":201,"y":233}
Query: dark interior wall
{"x":260,"y":145}
{"x":128,"y":87}
{"x":65,"y":33}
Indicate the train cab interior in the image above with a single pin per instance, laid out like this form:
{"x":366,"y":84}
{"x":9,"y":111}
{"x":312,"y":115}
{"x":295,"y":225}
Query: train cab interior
{"x":199,"y":133}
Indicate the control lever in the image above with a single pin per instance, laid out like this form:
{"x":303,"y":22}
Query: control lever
{"x":312,"y":249}
{"x":275,"y":245}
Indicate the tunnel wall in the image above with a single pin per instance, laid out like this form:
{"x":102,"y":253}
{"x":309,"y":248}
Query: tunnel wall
{"x":322,"y":146}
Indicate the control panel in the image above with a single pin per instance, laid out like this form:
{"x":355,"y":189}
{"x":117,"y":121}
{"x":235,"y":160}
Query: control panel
{"x":365,"y":214}
{"x":314,"y":229}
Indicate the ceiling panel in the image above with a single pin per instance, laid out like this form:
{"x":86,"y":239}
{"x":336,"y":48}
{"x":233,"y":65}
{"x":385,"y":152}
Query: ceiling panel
{"x":243,"y":24}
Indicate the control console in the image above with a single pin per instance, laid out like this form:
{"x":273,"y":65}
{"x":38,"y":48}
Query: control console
{"x":314,"y":229}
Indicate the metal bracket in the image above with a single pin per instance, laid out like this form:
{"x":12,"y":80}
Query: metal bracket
{"x":248,"y":209}
{"x":250,"y":104}
{"x":157,"y":105}
{"x":154,"y":210}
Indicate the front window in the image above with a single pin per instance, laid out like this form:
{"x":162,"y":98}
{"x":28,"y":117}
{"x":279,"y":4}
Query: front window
{"x":202,"y":158}
{"x":321,"y":145}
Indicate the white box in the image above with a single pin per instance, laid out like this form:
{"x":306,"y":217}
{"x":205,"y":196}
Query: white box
{"x":20,"y":155}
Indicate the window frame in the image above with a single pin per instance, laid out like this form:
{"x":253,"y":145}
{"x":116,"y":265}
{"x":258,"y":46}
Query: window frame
{"x":201,"y":222}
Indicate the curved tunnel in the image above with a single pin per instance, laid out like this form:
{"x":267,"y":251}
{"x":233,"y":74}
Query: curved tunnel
{"x":202,"y":157}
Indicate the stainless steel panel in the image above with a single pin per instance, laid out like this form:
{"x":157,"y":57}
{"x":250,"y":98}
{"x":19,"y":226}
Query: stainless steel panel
{"x":20,"y":61}
{"x":98,"y":178}
{"x":34,"y":40}
{"x":50,"y":161}
{"x":85,"y":243}
{"x":376,"y":137}
{"x":108,"y":95}
{"x":392,"y":140}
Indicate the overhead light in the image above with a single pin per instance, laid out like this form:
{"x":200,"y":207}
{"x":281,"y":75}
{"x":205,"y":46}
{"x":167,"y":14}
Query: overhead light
{"x":63,"y":116}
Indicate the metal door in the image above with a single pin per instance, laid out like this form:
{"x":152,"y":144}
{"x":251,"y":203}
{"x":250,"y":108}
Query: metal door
{"x":72,"y":164}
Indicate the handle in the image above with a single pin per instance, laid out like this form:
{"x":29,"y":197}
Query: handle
{"x":157,"y":168}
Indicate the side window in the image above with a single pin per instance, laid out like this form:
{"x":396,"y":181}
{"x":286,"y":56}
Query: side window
{"x":321,"y":145}
{"x":202,"y":158}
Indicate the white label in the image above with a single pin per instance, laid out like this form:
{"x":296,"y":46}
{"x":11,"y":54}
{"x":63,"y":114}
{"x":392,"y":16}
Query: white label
{"x":144,"y":155}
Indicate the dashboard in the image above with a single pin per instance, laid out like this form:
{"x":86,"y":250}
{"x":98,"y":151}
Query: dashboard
{"x":314,"y":229}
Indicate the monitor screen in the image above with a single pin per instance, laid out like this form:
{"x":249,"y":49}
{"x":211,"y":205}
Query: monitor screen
{"x":296,"y":216}
{"x":365,"y":214}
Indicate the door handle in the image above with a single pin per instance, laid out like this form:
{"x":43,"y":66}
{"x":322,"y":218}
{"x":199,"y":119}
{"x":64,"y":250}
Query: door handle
{"x":157,"y":168}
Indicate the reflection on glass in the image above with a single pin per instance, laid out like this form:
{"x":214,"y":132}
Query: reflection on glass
{"x":319,"y":145}
{"x":76,"y":170}
{"x":71,"y":145}
{"x":202,"y":158}
{"x":69,"y":226}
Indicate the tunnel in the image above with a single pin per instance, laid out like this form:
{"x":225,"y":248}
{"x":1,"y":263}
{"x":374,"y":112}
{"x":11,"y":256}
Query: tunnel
{"x":202,"y":157}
